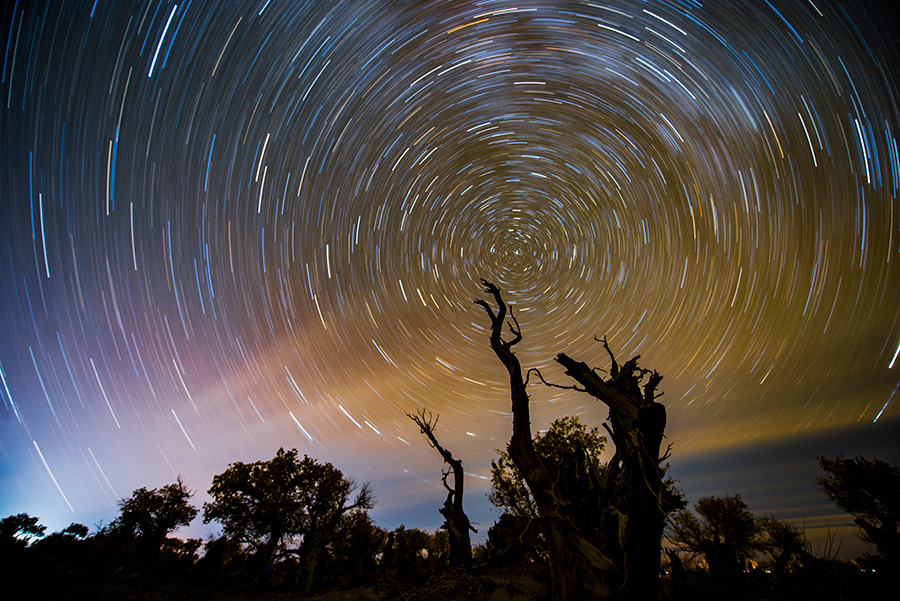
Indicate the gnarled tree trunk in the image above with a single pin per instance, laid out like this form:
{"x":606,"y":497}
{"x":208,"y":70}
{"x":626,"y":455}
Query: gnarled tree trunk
{"x":634,"y":487}
{"x":603,"y":536}
{"x":578,"y":569}
{"x":457,"y":522}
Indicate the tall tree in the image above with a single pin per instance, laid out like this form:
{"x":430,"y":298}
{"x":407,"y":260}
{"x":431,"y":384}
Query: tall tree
{"x":636,"y":499}
{"x":354,"y":553}
{"x":457,"y":522}
{"x":603,"y":529}
{"x":150,"y":515}
{"x":411,"y":555}
{"x":578,"y":569}
{"x":724,"y":533}
{"x":869,"y":490}
{"x":284,"y":506}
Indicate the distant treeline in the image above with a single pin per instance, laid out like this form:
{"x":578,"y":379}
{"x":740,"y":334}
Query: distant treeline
{"x":295,"y":525}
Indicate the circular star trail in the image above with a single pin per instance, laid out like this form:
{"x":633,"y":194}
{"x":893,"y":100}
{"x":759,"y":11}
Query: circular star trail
{"x":229,"y":227}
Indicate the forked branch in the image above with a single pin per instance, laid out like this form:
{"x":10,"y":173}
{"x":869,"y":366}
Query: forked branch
{"x":427,"y":423}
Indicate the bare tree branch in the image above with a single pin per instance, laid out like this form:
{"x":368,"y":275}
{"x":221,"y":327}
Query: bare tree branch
{"x":667,"y":454}
{"x":550,"y":384}
{"x":427,"y":424}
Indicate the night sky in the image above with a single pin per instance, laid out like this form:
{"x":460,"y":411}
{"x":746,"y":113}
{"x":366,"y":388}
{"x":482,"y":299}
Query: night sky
{"x":233,"y":226}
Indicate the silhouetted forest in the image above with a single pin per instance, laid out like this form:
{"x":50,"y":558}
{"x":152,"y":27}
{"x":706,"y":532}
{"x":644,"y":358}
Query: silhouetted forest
{"x":572,"y":526}
{"x":295,"y":527}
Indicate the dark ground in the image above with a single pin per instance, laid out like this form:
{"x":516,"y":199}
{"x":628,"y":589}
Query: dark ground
{"x":512,"y":583}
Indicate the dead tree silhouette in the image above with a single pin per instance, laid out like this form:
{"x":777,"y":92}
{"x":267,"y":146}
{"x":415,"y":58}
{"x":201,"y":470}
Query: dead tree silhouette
{"x":457,"y":522}
{"x":603,"y":534}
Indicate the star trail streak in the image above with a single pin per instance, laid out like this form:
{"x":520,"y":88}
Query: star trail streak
{"x":229,"y":227}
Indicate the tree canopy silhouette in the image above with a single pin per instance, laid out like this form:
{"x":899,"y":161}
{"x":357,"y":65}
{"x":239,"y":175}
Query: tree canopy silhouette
{"x":724,"y":533}
{"x":17,"y":531}
{"x":571,"y":452}
{"x":783,"y":541}
{"x":150,"y":515}
{"x":284,"y":507}
{"x":565,"y":439}
{"x":869,"y":490}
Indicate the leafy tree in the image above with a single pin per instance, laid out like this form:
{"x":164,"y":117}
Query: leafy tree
{"x":411,"y":554}
{"x":566,"y":437}
{"x":869,"y":490}
{"x":150,"y":515}
{"x":17,"y":531}
{"x":353,"y":555}
{"x":74,"y":530}
{"x":222,"y":557}
{"x":783,"y":541}
{"x":724,"y":533}
{"x":514,"y":539}
{"x":65,"y":541}
{"x":284,"y":507}
{"x":571,"y":452}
